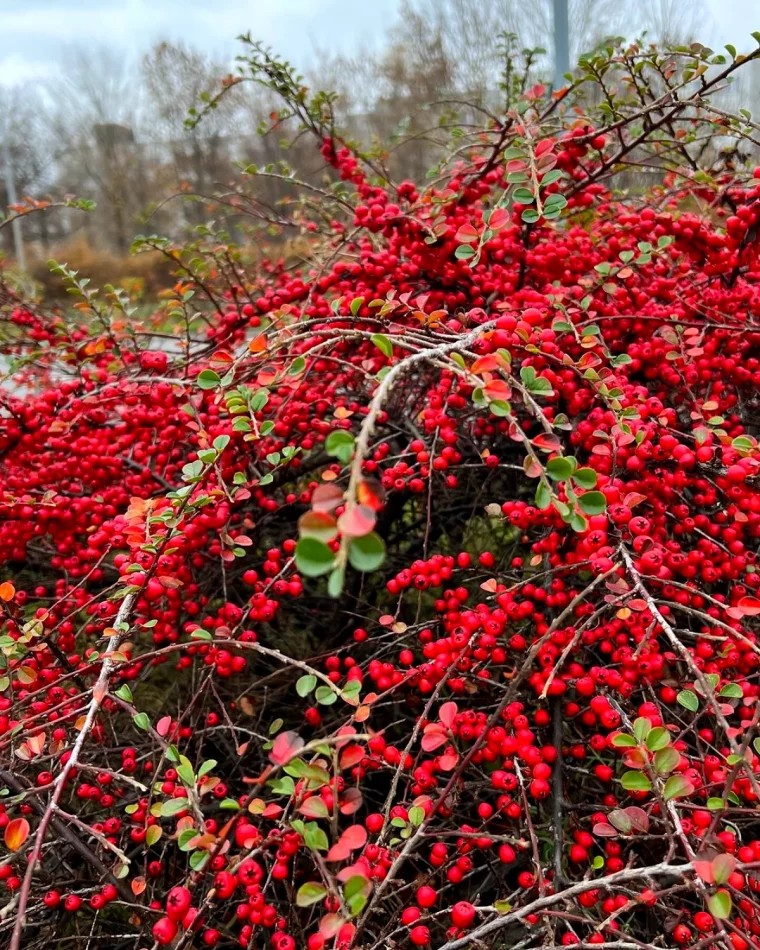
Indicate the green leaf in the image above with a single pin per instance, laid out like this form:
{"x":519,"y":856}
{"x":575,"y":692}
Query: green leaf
{"x":688,"y":699}
{"x":356,"y":305}
{"x":530,"y":216}
{"x":732,"y":691}
{"x":355,"y":885}
{"x":543,"y":495}
{"x":560,"y":469}
{"x":283,"y":786}
{"x":499,"y":407}
{"x":185,"y":771}
{"x":199,"y":859}
{"x":666,"y":760}
{"x":313,"y":557}
{"x":635,"y":782}
{"x":185,"y":837}
{"x":125,"y":693}
{"x":578,"y":523}
{"x":523,"y":196}
{"x":592,"y":503}
{"x":624,"y":741}
{"x":326,"y":696}
{"x":173,"y":806}
{"x":383,"y":344}
{"x":310,"y":893}
{"x":642,"y":727}
{"x":677,"y":787}
{"x":206,"y":767}
{"x":719,"y":904}
{"x":351,"y":690}
{"x":658,"y":738}
{"x":340,"y":444}
{"x":315,"y":838}
{"x":585,"y":478}
{"x":306,"y":684}
{"x":723,"y":867}
{"x":153,"y":835}
{"x":464,"y":252}
{"x":367,"y":553}
{"x":555,"y":202}
{"x":208,"y":379}
{"x":142,"y":721}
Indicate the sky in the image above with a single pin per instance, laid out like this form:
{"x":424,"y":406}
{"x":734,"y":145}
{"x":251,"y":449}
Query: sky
{"x":35,"y":33}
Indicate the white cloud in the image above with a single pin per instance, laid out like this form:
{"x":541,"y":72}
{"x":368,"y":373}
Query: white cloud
{"x":34,"y":33}
{"x":37,"y":31}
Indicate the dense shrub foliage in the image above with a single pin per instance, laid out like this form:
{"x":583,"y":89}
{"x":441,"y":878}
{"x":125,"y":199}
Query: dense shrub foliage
{"x":404,"y":595}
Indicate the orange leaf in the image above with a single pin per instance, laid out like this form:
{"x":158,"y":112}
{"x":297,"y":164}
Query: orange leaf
{"x":16,"y":833}
{"x":7,"y":591}
{"x":371,"y":493}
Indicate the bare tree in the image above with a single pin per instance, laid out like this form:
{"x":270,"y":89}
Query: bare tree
{"x":94,"y":116}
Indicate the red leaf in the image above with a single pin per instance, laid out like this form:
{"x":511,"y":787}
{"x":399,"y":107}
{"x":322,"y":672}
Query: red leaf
{"x":603,"y":830}
{"x":16,"y":833}
{"x":549,"y":443}
{"x":703,"y":867}
{"x":326,"y":497}
{"x":351,"y":756}
{"x":357,"y":521}
{"x":447,"y":714}
{"x":163,"y":725}
{"x":749,"y":606}
{"x":466,"y":234}
{"x":350,"y":801}
{"x":329,"y":925}
{"x":639,"y":818}
{"x":486,"y":364}
{"x":499,"y":218}
{"x":498,"y":389}
{"x":433,"y":740}
{"x":355,"y":837}
{"x":286,"y":746}
{"x":351,"y":839}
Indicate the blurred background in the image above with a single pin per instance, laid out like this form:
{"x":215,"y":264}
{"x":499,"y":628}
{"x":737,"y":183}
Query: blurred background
{"x":94,"y":95}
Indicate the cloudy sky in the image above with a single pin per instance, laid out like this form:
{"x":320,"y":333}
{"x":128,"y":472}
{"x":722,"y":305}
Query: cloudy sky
{"x":33,"y":33}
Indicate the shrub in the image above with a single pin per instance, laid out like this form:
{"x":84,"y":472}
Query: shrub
{"x":404,"y":597}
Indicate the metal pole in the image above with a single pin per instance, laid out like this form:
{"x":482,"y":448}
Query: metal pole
{"x":561,"y":43}
{"x":10,"y":189}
